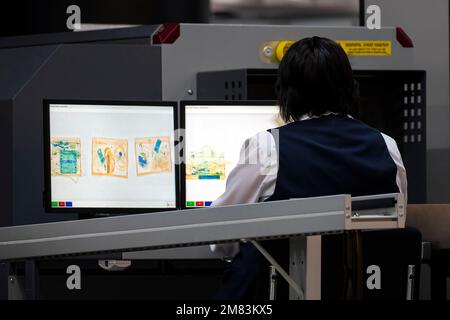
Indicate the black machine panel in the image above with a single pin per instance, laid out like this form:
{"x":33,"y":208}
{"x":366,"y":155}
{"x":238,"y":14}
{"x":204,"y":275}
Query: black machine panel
{"x":392,"y":101}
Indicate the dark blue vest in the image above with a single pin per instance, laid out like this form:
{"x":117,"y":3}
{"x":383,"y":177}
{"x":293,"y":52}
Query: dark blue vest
{"x":318,"y":157}
{"x":332,"y":155}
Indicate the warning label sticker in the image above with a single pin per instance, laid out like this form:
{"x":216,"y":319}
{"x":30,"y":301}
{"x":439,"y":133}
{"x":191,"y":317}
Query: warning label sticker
{"x":368,"y":48}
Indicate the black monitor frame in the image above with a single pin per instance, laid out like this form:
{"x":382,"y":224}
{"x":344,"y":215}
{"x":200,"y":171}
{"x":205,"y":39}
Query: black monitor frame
{"x":47,"y":194}
{"x":183,"y":105}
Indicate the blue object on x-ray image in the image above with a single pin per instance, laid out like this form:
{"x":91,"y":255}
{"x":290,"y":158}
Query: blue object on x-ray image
{"x":158,"y":145}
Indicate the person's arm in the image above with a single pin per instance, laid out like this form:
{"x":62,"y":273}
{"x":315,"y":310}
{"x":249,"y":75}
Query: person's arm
{"x":402,"y":181}
{"x":252,"y":180}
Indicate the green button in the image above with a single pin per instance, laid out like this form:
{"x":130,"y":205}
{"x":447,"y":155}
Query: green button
{"x":190,"y":204}
{"x":54,"y":204}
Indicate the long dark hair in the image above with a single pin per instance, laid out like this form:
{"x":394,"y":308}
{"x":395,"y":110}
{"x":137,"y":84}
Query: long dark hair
{"x":315,"y":76}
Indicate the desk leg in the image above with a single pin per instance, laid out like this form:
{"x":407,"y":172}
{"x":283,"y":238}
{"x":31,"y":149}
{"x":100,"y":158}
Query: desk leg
{"x":11,"y":285}
{"x":31,"y":280}
{"x":306,"y":266}
{"x":4,"y":281}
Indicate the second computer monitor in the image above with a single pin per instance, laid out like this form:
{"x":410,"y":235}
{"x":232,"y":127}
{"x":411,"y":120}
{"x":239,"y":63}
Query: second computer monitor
{"x":214,"y":134}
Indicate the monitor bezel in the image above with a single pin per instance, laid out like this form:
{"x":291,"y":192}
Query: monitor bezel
{"x":183,"y":105}
{"x":112,"y":210}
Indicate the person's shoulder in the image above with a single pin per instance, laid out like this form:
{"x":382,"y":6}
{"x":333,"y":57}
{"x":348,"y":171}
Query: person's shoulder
{"x":262,"y":141}
{"x":390,"y":143}
{"x":366,"y":126}
{"x":388,"y":138}
{"x":261,"y":136}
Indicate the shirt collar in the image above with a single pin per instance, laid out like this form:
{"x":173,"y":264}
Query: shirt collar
{"x":328,"y":113}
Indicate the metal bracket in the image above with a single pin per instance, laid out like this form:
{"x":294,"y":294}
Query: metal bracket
{"x":280,"y":270}
{"x":305,"y":268}
{"x":306,"y":265}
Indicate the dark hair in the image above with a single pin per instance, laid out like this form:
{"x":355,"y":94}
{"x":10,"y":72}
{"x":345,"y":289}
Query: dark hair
{"x":315,"y":76}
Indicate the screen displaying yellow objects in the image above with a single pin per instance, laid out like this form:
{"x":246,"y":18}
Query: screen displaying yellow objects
{"x":214,"y":137}
{"x":112,"y":156}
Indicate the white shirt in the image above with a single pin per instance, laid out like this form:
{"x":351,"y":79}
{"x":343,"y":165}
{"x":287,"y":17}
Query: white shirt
{"x":254,"y":178}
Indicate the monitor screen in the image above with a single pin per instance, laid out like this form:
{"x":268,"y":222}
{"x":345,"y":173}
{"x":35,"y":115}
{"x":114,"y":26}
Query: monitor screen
{"x":215,"y":133}
{"x":106,"y":156}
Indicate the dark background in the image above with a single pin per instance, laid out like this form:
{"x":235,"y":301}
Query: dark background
{"x":20,"y":17}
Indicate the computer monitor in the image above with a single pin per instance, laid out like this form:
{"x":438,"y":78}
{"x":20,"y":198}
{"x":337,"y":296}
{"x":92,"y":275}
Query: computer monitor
{"x":214,"y":134}
{"x":108,"y":157}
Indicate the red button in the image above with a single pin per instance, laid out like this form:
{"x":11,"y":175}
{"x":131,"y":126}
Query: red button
{"x":200,"y":204}
{"x":62,"y":204}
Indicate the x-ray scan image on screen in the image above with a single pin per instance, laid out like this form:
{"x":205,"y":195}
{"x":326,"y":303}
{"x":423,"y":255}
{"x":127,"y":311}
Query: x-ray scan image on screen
{"x":117,"y":155}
